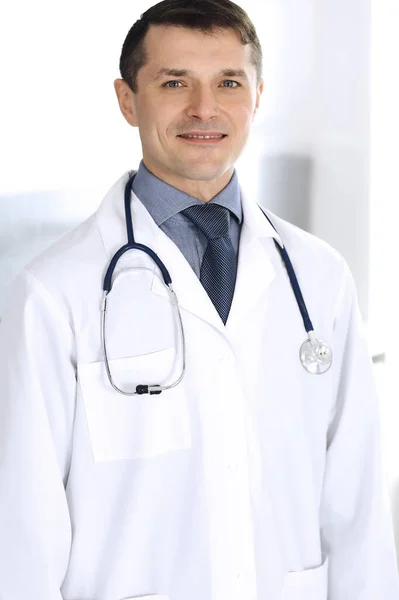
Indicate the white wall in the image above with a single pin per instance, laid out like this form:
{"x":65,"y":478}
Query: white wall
{"x":342,"y":128}
{"x":384,"y":182}
{"x":384,"y":216}
{"x":60,"y":122}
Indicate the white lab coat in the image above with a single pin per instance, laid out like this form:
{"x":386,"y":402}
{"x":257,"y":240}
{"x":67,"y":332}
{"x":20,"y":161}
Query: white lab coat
{"x":251,"y":480}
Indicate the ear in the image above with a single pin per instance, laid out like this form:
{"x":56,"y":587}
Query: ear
{"x":259,"y":92}
{"x":126,"y":99}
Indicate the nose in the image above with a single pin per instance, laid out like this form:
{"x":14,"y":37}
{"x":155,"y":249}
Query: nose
{"x":203,"y":104}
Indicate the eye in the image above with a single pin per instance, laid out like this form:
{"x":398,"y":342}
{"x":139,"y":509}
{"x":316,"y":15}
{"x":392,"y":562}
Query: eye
{"x":172,"y":81}
{"x":175,"y":81}
{"x":231,"y":81}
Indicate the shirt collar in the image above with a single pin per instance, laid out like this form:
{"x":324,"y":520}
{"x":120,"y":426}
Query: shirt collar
{"x":110,"y":218}
{"x":163,"y":201}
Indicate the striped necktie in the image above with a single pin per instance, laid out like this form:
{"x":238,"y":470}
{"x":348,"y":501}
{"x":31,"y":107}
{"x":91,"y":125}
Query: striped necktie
{"x":219,"y":265}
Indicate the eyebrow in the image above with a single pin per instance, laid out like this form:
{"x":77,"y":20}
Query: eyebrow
{"x":239,"y":73}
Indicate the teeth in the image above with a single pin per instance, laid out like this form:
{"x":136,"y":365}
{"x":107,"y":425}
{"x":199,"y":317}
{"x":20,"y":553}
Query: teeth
{"x":203,"y":137}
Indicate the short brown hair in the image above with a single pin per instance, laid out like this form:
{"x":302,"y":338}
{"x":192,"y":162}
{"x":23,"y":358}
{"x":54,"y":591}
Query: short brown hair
{"x":204,"y":15}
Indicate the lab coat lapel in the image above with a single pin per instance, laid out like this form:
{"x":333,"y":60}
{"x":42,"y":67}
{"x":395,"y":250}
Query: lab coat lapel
{"x":190,"y":293}
{"x":255,"y":270}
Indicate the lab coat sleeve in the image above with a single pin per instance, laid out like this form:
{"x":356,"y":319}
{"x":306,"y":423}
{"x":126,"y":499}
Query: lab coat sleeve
{"x":356,"y":521}
{"x":37,"y":397}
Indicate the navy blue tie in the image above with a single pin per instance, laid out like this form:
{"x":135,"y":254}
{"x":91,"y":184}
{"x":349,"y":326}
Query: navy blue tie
{"x":219,"y":265}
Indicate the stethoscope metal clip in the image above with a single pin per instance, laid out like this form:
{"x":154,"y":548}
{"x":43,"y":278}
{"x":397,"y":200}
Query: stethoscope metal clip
{"x":315,"y":356}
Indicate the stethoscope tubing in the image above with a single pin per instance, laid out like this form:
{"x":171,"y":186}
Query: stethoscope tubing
{"x":311,"y":345}
{"x":293,"y":279}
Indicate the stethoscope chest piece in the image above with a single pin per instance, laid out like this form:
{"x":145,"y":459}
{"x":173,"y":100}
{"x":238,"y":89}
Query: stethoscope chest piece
{"x":316,"y":356}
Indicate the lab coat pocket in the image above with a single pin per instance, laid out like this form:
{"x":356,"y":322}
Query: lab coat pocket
{"x":310,"y":584}
{"x":127,"y":427}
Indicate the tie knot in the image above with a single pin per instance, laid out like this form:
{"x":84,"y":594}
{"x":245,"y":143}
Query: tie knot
{"x":212,"y":220}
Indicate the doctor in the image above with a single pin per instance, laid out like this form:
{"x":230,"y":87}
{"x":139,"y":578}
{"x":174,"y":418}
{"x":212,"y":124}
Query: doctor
{"x":251,"y":478}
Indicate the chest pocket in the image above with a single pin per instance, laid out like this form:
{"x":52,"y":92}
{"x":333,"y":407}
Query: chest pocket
{"x":311,"y":584}
{"x":127,"y":427}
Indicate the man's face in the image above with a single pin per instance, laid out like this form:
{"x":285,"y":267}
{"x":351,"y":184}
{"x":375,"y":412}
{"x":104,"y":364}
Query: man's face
{"x":203,"y":101}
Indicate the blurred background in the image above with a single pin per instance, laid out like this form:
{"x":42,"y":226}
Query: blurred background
{"x":322,"y":152}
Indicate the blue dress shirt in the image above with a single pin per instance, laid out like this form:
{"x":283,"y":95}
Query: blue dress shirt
{"x":165,"y":203}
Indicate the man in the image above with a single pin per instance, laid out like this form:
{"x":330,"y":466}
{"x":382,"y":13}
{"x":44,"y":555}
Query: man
{"x":251,"y":478}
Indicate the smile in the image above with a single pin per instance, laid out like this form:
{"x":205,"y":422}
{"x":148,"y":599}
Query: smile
{"x":208,"y":141}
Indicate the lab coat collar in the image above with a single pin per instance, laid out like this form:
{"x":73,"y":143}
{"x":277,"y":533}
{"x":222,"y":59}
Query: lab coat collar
{"x":254,"y":273}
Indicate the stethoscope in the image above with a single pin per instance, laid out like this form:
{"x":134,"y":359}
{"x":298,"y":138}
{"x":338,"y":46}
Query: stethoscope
{"x":315,"y":356}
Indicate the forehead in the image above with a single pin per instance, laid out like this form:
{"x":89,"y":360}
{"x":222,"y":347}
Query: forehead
{"x":170,"y":45}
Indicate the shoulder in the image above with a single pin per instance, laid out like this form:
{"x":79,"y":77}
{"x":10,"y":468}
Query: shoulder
{"x":82,"y":251}
{"x":62,"y":273}
{"x":309,"y":252}
{"x":320,"y":268}
{"x":79,"y":247}
{"x":310,"y":246}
